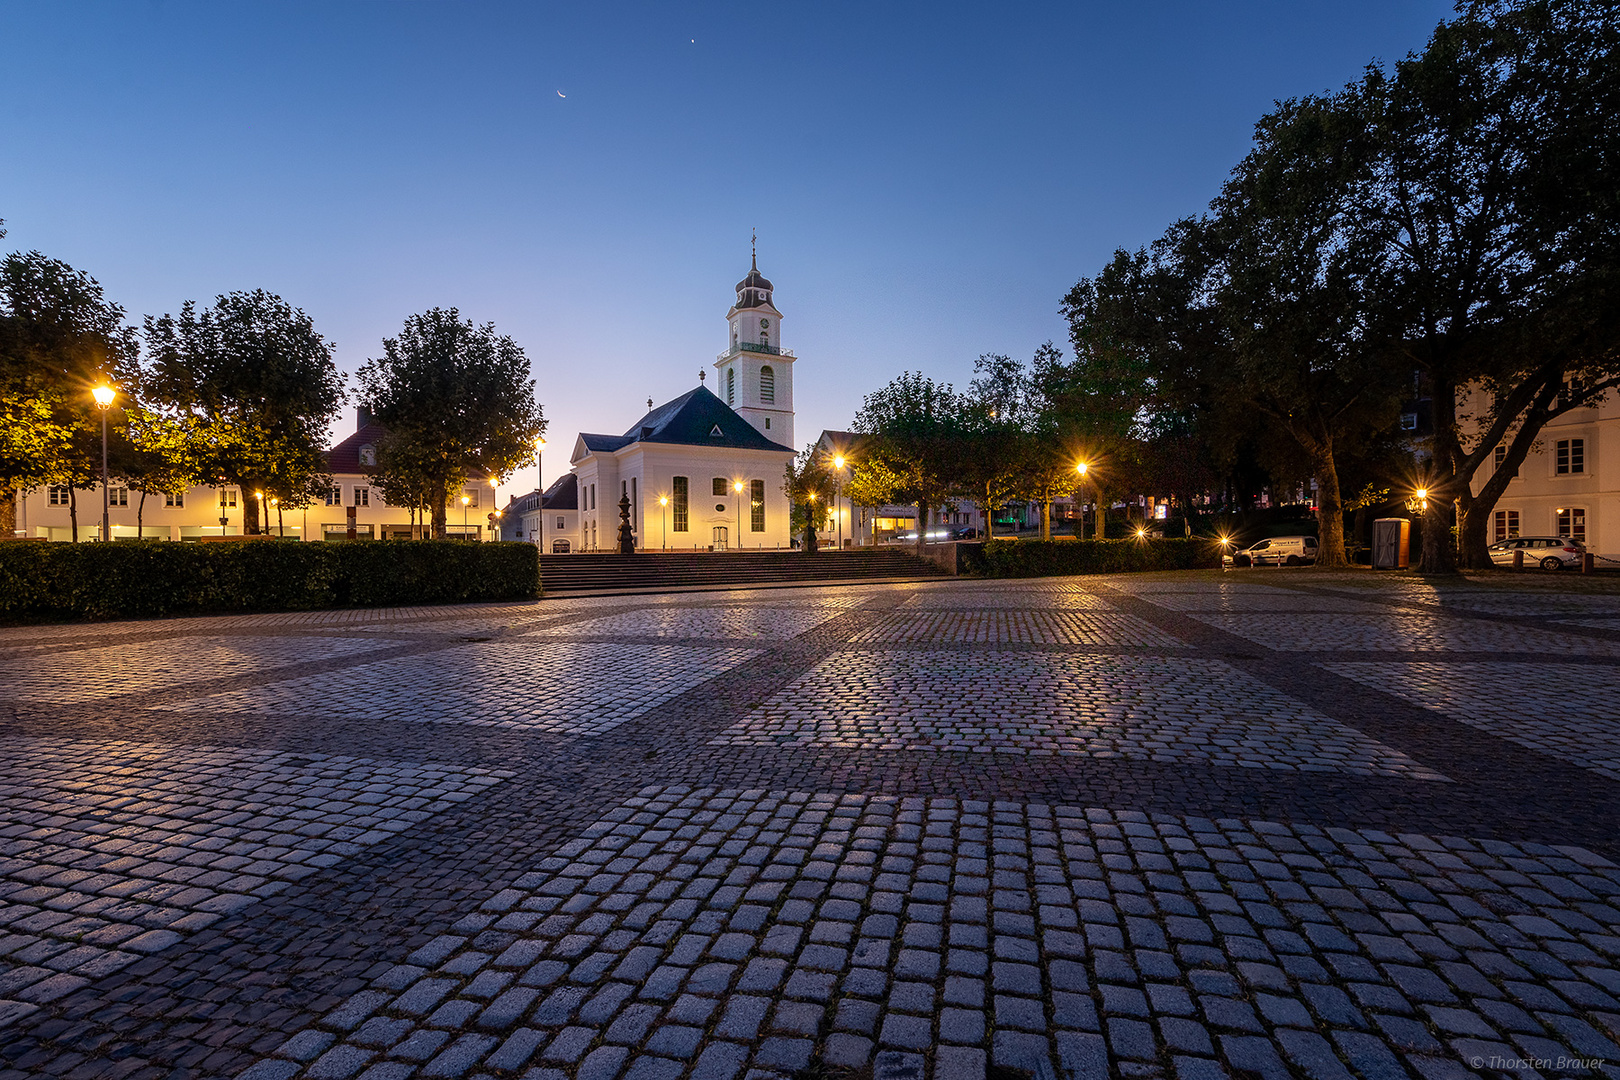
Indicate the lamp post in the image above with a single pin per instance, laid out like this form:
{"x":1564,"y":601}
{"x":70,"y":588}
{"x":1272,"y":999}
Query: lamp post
{"x":838,"y":511}
{"x":104,"y":398}
{"x":1082,"y":469}
{"x":260,"y":496}
{"x":540,"y":489}
{"x":738,"y":488}
{"x":663,"y":501}
{"x":494,"y":485}
{"x":465,"y":499}
{"x":281,"y":530}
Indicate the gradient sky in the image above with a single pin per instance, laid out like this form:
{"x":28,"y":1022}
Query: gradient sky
{"x":928,"y":180}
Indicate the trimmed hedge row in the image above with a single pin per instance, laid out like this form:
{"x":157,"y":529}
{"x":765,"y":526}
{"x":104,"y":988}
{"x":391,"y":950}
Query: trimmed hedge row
{"x":1044,"y":558}
{"x":135,"y":578}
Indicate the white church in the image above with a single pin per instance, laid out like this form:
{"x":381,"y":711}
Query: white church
{"x":705,"y":471}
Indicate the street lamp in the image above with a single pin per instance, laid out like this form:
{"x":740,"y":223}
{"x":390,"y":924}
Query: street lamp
{"x":838,"y":477}
{"x":738,"y":488}
{"x":260,"y":496}
{"x":104,"y":398}
{"x":494,"y":485}
{"x":1082,"y":468}
{"x":465,"y":499}
{"x":540,"y":489}
{"x":663,"y":501}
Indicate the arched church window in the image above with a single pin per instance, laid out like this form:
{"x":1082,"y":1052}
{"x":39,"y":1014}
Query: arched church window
{"x":767,"y":385}
{"x":731,"y":386}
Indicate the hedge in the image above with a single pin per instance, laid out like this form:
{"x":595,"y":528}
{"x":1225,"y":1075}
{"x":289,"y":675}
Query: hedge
{"x":136,"y":578}
{"x":1044,"y":558}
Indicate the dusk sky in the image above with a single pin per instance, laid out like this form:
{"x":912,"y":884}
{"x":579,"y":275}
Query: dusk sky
{"x":928,"y":180}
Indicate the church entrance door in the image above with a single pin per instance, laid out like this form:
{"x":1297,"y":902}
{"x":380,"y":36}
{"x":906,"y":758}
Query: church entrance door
{"x":719,"y":538}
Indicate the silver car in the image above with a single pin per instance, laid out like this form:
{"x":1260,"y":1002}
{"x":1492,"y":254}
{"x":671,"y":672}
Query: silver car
{"x":1547,"y":552}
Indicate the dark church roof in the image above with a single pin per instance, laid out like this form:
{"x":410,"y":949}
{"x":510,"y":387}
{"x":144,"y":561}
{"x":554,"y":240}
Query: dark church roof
{"x":344,"y":458}
{"x":753,"y":291}
{"x":696,"y":418}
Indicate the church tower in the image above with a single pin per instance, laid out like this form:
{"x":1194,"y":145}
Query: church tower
{"x":755,"y":374}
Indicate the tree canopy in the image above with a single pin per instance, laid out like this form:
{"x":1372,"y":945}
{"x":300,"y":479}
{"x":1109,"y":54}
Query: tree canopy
{"x":458,"y":401}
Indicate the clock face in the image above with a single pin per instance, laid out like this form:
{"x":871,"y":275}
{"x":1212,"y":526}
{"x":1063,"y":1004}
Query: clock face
{"x":764,"y":324}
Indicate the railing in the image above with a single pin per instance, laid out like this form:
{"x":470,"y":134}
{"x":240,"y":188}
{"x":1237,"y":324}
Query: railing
{"x":755,"y":347}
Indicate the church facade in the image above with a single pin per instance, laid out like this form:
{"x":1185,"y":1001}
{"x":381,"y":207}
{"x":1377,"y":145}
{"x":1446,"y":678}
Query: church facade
{"x":707,"y":470}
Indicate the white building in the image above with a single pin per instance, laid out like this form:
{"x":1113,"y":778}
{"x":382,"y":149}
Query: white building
{"x":703,"y":471}
{"x":1569,"y":484}
{"x":217,"y":511}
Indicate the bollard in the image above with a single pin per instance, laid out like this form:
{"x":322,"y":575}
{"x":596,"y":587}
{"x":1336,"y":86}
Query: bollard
{"x":1586,"y":563}
{"x":1518,"y":558}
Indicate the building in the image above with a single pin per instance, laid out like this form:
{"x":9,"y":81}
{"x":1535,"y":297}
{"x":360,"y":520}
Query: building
{"x":1569,"y":483}
{"x":217,"y":511}
{"x":556,"y":529}
{"x":705,"y":471}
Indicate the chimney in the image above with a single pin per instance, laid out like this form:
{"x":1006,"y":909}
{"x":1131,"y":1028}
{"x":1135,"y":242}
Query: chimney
{"x":362,"y":417}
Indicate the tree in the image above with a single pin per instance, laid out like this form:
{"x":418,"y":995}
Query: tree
{"x":808,"y":484}
{"x":995,"y":415}
{"x":260,"y":385}
{"x":457,"y":400}
{"x":157,"y":454}
{"x":1492,"y":194}
{"x":915,"y":437}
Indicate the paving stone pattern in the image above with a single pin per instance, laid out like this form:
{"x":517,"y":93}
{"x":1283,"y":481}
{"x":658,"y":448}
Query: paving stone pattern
{"x":1260,"y":824}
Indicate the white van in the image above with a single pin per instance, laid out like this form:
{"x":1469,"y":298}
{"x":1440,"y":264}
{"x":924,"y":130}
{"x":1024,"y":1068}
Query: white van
{"x":1277,"y":551}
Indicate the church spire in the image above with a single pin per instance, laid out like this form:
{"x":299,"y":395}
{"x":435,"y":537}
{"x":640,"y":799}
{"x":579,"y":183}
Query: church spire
{"x":753,"y":250}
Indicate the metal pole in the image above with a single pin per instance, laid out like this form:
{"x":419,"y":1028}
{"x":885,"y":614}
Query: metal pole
{"x":106,"y":531}
{"x":838,"y":508}
{"x":540,"y":497}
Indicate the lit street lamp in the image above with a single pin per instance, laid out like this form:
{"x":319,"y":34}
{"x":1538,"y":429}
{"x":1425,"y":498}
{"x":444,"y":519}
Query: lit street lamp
{"x":494,"y":485}
{"x":1082,"y":469}
{"x":540,"y":490}
{"x":663,"y":501}
{"x":464,"y":501}
{"x":104,"y":398}
{"x":738,"y":487}
{"x":262,"y":525}
{"x":838,"y":477}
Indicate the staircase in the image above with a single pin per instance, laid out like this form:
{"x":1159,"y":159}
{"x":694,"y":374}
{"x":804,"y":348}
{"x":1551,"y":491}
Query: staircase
{"x":655,"y":571}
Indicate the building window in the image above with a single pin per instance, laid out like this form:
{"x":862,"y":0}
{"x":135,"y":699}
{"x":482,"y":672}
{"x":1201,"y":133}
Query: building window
{"x":678,"y":504}
{"x":334,"y":496}
{"x":227,"y":498}
{"x":118,"y":496}
{"x":1507,"y":524}
{"x":731,"y":386}
{"x":767,"y":385}
{"x":57,"y":495}
{"x":722,"y":486}
{"x":1498,"y":456}
{"x":368,"y":455}
{"x":175,"y":500}
{"x":767,"y":423}
{"x":756,"y":505}
{"x":592,"y":492}
{"x":1572,"y":523}
{"x":560,"y":524}
{"x":362,"y":496}
{"x":1571,"y":457}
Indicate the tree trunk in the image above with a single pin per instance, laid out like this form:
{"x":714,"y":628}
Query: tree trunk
{"x":73,"y":511}
{"x":1329,"y":514}
{"x":922,"y":527}
{"x":439,"y":496}
{"x":140,"y":513}
{"x":1046,"y":519}
{"x":250,"y":512}
{"x":8,"y":513}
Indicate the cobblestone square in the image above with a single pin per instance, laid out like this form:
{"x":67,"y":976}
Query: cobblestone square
{"x":1259,"y":824}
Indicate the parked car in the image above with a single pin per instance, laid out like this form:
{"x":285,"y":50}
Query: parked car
{"x":1547,"y":552}
{"x":1277,"y":551}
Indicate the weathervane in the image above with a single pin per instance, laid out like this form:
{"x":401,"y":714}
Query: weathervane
{"x":753,"y":248}
{"x":702,"y":374}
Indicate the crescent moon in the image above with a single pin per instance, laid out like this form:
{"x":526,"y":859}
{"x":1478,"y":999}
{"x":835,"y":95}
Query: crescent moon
{"x":561,"y":94}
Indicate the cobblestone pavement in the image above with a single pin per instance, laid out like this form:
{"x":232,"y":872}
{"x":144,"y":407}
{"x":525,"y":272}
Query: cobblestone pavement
{"x":1261,"y":824}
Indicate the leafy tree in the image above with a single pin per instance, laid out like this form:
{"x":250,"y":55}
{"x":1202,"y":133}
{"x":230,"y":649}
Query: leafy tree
{"x":457,"y":400}
{"x":1492,"y":192}
{"x":157,"y":454}
{"x":260,"y":386}
{"x":995,"y":417}
{"x":59,"y":338}
{"x":808,"y":484}
{"x":915,"y":440}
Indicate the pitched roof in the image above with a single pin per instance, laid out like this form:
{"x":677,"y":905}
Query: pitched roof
{"x":696,"y":418}
{"x":563,"y":494}
{"x":344,"y":458}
